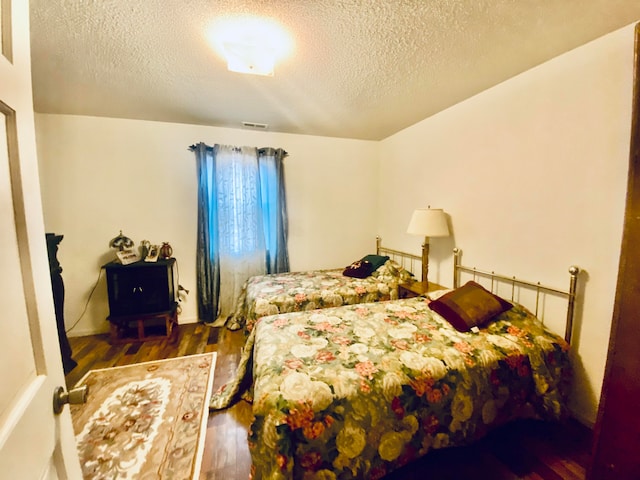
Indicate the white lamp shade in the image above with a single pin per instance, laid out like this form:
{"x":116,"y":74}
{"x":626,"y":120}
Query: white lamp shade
{"x":430,"y":222}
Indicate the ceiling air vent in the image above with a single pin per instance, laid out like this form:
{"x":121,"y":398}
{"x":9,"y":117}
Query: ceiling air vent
{"x":257,"y":126}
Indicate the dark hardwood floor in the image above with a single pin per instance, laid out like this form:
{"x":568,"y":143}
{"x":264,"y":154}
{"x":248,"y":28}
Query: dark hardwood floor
{"x":524,"y":450}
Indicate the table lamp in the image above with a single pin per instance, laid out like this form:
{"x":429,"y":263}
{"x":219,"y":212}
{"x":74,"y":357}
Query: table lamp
{"x":430,"y":222}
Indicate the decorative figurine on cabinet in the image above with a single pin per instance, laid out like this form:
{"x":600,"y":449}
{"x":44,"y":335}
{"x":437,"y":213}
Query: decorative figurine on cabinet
{"x":166,"y":251}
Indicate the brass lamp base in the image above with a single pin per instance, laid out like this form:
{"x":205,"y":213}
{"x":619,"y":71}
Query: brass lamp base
{"x":425,"y":261}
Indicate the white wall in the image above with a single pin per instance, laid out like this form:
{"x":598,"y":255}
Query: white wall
{"x":533,"y":175}
{"x":100,"y":175}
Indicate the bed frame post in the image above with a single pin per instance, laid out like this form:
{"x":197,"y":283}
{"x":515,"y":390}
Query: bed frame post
{"x":456,"y":263}
{"x":573,"y":271}
{"x":378,"y":243}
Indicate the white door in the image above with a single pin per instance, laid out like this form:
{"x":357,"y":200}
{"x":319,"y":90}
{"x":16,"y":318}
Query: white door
{"x":34,"y":443}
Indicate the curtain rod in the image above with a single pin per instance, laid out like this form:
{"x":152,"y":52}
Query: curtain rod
{"x":194,"y":146}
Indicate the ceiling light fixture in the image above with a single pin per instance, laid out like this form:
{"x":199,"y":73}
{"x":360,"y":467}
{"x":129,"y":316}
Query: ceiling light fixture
{"x":250,"y":44}
{"x":252,"y":59}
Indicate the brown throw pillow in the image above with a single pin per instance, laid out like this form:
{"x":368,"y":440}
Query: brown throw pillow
{"x":469,"y":306}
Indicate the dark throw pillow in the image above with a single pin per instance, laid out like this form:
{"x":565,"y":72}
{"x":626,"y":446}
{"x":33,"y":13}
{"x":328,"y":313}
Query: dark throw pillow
{"x":375,"y":260}
{"x":359,"y":269}
{"x":469,"y":306}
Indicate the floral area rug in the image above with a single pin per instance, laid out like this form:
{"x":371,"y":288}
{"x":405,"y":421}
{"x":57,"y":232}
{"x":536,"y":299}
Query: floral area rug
{"x":146,"y":420}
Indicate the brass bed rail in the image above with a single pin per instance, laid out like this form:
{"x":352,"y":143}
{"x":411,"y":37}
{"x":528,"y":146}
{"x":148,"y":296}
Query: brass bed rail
{"x":540,"y":289}
{"x":402,"y":258}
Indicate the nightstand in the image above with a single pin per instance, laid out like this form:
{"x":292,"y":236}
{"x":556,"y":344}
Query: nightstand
{"x":416,"y":289}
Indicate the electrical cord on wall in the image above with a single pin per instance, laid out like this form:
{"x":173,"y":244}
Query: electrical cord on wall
{"x":180,"y":289}
{"x":86,"y":305}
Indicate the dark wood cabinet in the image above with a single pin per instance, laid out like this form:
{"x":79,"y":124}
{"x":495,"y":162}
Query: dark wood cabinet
{"x":142,"y":299}
{"x":141,"y":287}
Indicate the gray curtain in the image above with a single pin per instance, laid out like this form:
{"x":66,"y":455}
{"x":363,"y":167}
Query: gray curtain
{"x":276,"y":218}
{"x":207,"y":253}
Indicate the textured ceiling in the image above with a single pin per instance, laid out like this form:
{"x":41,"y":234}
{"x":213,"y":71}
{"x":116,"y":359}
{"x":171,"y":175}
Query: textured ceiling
{"x":359,"y":68}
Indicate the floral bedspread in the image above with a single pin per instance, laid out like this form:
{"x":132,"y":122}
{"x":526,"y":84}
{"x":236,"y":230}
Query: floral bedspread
{"x":360,"y":390}
{"x":299,"y":291}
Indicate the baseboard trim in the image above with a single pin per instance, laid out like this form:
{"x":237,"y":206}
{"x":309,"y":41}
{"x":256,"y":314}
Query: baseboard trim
{"x":184,"y":321}
{"x":583,"y":420}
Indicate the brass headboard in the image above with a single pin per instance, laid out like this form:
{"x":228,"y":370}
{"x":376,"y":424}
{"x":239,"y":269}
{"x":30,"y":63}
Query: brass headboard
{"x":539,"y":289}
{"x":406,"y":260}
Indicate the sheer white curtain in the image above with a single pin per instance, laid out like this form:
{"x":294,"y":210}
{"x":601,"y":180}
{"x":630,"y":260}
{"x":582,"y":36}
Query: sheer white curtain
{"x":241,"y":237}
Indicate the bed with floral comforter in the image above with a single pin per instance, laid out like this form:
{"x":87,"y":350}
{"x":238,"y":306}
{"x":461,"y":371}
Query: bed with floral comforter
{"x":360,"y":390}
{"x":300,"y":291}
